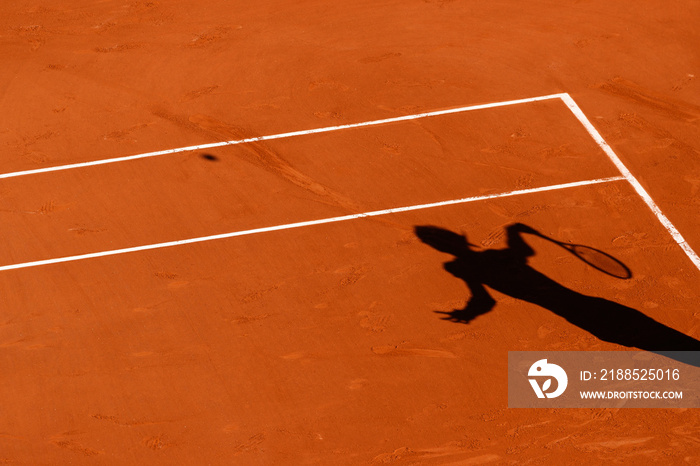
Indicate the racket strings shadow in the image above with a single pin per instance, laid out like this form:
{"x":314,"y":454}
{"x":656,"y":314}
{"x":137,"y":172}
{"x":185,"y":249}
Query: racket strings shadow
{"x":507,"y":271}
{"x":599,"y":260}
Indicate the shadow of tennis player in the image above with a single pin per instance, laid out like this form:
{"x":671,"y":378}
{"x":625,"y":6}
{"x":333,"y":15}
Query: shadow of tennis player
{"x":507,"y":271}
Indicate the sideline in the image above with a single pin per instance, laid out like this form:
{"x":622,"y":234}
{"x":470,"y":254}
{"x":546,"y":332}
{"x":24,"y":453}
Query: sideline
{"x":276,"y":136}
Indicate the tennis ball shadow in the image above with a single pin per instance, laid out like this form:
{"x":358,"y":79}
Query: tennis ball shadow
{"x":210,"y":157}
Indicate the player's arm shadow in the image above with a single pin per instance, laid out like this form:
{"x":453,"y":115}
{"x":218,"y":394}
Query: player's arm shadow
{"x":507,"y":271}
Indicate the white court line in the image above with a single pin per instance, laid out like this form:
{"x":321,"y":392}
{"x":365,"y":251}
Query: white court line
{"x":576,"y":110}
{"x":277,"y":136}
{"x":566,"y":98}
{"x":290,"y":226}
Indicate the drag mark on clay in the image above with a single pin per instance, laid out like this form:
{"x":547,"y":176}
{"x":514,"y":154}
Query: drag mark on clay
{"x":353,"y":276}
{"x":75,"y":447}
{"x":115,"y":420}
{"x":258,"y":295}
{"x":158,"y":442}
{"x":614,"y":443}
{"x":61,"y":441}
{"x":118,"y":48}
{"x":80,"y":231}
{"x":393,"y":350}
{"x":122,"y":135}
{"x":247,"y":319}
{"x":634,"y":92}
{"x":378,"y":58}
{"x":198,"y":93}
{"x":261,"y":155}
{"x":460,"y":455}
{"x":251,"y":445}
{"x":374,"y":322}
{"x":210,"y":37}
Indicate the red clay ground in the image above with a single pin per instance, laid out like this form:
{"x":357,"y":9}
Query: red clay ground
{"x":320,"y":345}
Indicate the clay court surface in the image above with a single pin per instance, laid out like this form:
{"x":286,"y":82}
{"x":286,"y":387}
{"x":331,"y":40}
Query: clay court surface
{"x":320,"y":344}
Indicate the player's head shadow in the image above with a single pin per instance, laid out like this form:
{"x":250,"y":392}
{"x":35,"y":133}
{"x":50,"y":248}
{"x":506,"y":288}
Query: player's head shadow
{"x":507,"y":271}
{"x":443,"y":240}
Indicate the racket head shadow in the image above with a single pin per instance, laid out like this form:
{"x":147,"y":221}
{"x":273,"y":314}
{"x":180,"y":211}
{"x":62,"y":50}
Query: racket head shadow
{"x":601,"y":261}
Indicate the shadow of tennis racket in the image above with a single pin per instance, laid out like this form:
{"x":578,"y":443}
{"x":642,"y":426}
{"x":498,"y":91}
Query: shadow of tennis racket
{"x":596,"y":258}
